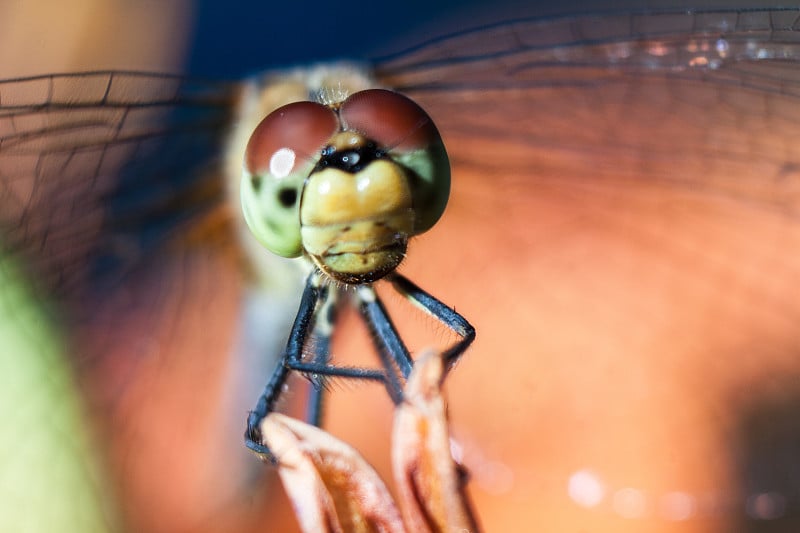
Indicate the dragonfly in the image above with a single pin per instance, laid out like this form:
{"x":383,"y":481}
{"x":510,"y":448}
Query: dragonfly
{"x":659,"y":139}
{"x":345,"y":183}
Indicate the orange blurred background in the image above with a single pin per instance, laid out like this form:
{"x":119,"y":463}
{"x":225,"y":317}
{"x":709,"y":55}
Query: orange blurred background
{"x":635,"y":339}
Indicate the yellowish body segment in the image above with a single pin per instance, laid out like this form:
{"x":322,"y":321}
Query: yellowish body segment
{"x":356,"y":226}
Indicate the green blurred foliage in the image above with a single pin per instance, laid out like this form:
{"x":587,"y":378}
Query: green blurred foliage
{"x":49,"y":475}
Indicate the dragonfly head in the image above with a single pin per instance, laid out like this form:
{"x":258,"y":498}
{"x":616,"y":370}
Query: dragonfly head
{"x":346,"y":184}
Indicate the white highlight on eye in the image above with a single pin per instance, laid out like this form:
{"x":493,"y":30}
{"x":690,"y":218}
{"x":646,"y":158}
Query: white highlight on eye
{"x":585,"y":488}
{"x":282,"y":162}
{"x":630,"y":503}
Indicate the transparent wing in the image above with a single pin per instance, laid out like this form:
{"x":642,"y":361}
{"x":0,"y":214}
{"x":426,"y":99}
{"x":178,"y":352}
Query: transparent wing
{"x":111,"y":195}
{"x":623,"y":232}
{"x":616,"y":119}
{"x":633,"y":78}
{"x":88,"y":159}
{"x":746,"y":48}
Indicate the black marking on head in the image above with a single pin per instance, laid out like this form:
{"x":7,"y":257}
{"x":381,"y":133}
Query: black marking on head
{"x":352,"y":160}
{"x":287,"y":197}
{"x":255,"y":181}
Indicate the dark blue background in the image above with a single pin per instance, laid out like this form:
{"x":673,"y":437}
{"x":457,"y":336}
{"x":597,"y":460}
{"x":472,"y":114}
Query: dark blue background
{"x":239,"y":37}
{"x":235,"y":38}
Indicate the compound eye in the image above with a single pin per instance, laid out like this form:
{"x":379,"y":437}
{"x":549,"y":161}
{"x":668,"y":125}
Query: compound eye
{"x":280,"y":155}
{"x":406,"y":131}
{"x":392,"y":120}
{"x":288,"y":137}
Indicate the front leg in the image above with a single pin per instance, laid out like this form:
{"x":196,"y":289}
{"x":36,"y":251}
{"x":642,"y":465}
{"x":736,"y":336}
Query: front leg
{"x":294,"y":349}
{"x":446,"y":315}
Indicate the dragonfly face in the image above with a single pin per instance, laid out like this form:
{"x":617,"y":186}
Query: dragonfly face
{"x":620,"y":230}
{"x":347,"y":182}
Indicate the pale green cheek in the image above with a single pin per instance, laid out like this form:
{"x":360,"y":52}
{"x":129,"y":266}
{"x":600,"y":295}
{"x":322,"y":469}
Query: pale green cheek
{"x":273,"y":222}
{"x":432,"y":190}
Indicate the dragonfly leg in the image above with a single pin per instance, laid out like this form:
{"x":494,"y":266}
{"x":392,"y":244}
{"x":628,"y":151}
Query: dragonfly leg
{"x":324,"y":323}
{"x":319,"y":365}
{"x":318,"y":307}
{"x":393,"y":352}
{"x":294,"y":348}
{"x":446,"y":315}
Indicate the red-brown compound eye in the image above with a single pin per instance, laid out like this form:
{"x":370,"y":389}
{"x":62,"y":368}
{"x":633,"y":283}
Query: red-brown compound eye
{"x":390,"y":119}
{"x":289,"y":136}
